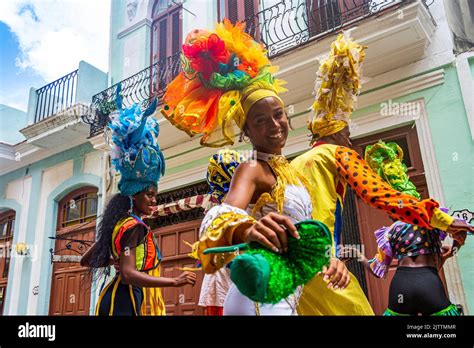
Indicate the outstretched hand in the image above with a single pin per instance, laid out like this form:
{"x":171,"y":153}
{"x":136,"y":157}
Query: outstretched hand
{"x":458,"y":230}
{"x":185,"y":278}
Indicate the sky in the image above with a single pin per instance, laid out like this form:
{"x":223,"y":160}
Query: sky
{"x":42,"y":40}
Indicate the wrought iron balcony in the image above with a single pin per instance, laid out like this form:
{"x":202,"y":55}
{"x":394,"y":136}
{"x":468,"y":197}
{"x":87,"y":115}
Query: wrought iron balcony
{"x":292,"y":23}
{"x":56,"y":96}
{"x":281,"y":28}
{"x":138,"y":88}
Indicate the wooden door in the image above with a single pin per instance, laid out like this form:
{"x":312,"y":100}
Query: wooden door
{"x":371,"y":219}
{"x":71,"y":283}
{"x":7,"y":224}
{"x":174,"y":252}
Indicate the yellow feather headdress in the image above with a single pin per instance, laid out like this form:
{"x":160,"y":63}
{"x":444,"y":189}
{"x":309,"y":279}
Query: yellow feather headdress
{"x":337,"y":87}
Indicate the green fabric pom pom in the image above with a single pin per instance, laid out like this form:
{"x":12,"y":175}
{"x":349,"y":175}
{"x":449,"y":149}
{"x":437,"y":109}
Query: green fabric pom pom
{"x":232,"y":102}
{"x":267,"y":277}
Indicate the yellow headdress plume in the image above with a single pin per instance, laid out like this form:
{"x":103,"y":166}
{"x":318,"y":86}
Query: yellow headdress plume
{"x":337,"y":87}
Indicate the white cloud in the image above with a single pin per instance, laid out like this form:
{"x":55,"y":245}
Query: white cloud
{"x":55,"y":35}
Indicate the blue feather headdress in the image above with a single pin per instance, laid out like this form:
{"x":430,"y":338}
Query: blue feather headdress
{"x":134,"y":149}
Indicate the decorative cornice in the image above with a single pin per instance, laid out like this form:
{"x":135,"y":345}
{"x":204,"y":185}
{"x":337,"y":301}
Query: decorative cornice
{"x":98,"y":142}
{"x":406,"y":87}
{"x":53,"y":123}
{"x":124,"y":32}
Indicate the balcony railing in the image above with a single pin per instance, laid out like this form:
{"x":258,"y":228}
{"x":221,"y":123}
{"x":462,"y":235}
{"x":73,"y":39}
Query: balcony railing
{"x":138,"y":88}
{"x":291,"y":23}
{"x":56,"y":96}
{"x":281,"y":27}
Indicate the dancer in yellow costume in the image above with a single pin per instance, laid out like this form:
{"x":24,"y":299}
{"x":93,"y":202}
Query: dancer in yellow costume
{"x":330,"y":165}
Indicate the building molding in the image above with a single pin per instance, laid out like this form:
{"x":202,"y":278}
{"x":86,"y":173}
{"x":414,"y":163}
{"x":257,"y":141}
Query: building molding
{"x":466,"y":83}
{"x":13,"y":282}
{"x":402,"y":88}
{"x":39,"y":305}
{"x":134,"y":27}
{"x":99,"y":143}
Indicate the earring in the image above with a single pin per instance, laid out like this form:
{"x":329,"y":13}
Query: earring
{"x":243,"y":137}
{"x":289,"y":124}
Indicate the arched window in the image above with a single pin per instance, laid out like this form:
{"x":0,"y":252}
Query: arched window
{"x":7,"y":225}
{"x":78,"y":207}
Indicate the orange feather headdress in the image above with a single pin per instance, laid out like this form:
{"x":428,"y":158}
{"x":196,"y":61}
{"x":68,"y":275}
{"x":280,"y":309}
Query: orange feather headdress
{"x":221,"y":70}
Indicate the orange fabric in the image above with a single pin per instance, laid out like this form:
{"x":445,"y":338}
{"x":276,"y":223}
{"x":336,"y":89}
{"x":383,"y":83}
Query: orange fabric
{"x":178,"y":89}
{"x":378,"y":194}
{"x":186,"y":103}
{"x":127,"y":225}
{"x":150,"y":252}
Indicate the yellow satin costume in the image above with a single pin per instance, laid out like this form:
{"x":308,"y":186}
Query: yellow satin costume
{"x":330,"y":168}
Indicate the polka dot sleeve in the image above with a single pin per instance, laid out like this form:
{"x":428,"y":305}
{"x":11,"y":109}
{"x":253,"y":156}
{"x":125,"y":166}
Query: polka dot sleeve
{"x":374,"y":191}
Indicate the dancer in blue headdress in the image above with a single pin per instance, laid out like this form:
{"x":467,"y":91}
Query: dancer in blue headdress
{"x":123,"y":235}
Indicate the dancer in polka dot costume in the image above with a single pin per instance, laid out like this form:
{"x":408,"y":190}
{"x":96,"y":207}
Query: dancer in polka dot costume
{"x":416,"y":288}
{"x":331,"y":165}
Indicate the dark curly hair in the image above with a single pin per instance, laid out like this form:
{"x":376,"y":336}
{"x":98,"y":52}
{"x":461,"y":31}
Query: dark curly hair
{"x":116,"y":209}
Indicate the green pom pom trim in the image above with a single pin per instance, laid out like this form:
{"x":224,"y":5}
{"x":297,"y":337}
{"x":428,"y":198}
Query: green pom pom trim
{"x":232,"y":102}
{"x":305,"y":257}
{"x":166,"y":107}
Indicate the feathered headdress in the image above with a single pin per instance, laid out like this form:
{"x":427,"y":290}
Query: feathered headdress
{"x":134,"y":149}
{"x":224,"y":73}
{"x":386,"y":159}
{"x":337,"y":87}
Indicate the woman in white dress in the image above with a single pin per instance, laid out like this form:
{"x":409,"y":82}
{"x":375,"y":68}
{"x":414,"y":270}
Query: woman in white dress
{"x":266,"y":198}
{"x":227,"y":82}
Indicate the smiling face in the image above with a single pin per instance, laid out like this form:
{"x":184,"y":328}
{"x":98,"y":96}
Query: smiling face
{"x":144,"y":200}
{"x":267,"y":125}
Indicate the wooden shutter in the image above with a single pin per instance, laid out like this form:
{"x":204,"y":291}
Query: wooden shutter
{"x":240,"y":10}
{"x":176,"y":33}
{"x":353,"y":9}
{"x":162,"y":34}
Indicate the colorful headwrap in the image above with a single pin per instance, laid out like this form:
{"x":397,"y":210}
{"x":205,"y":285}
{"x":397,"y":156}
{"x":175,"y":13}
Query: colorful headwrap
{"x":134,"y":149}
{"x":337,"y":87}
{"x":386,"y":160}
{"x":225,"y":72}
{"x":222,"y":166}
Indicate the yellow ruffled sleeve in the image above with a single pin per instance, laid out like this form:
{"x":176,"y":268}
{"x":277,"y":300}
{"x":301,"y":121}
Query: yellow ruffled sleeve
{"x":217,"y":230}
{"x":441,"y":220}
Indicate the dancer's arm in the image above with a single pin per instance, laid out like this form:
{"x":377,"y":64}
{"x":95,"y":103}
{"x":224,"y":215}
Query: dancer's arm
{"x":130,"y":275}
{"x":270,"y":229}
{"x":448,"y":251}
{"x":230,"y":224}
{"x":348,"y":253}
{"x":374,"y":191}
